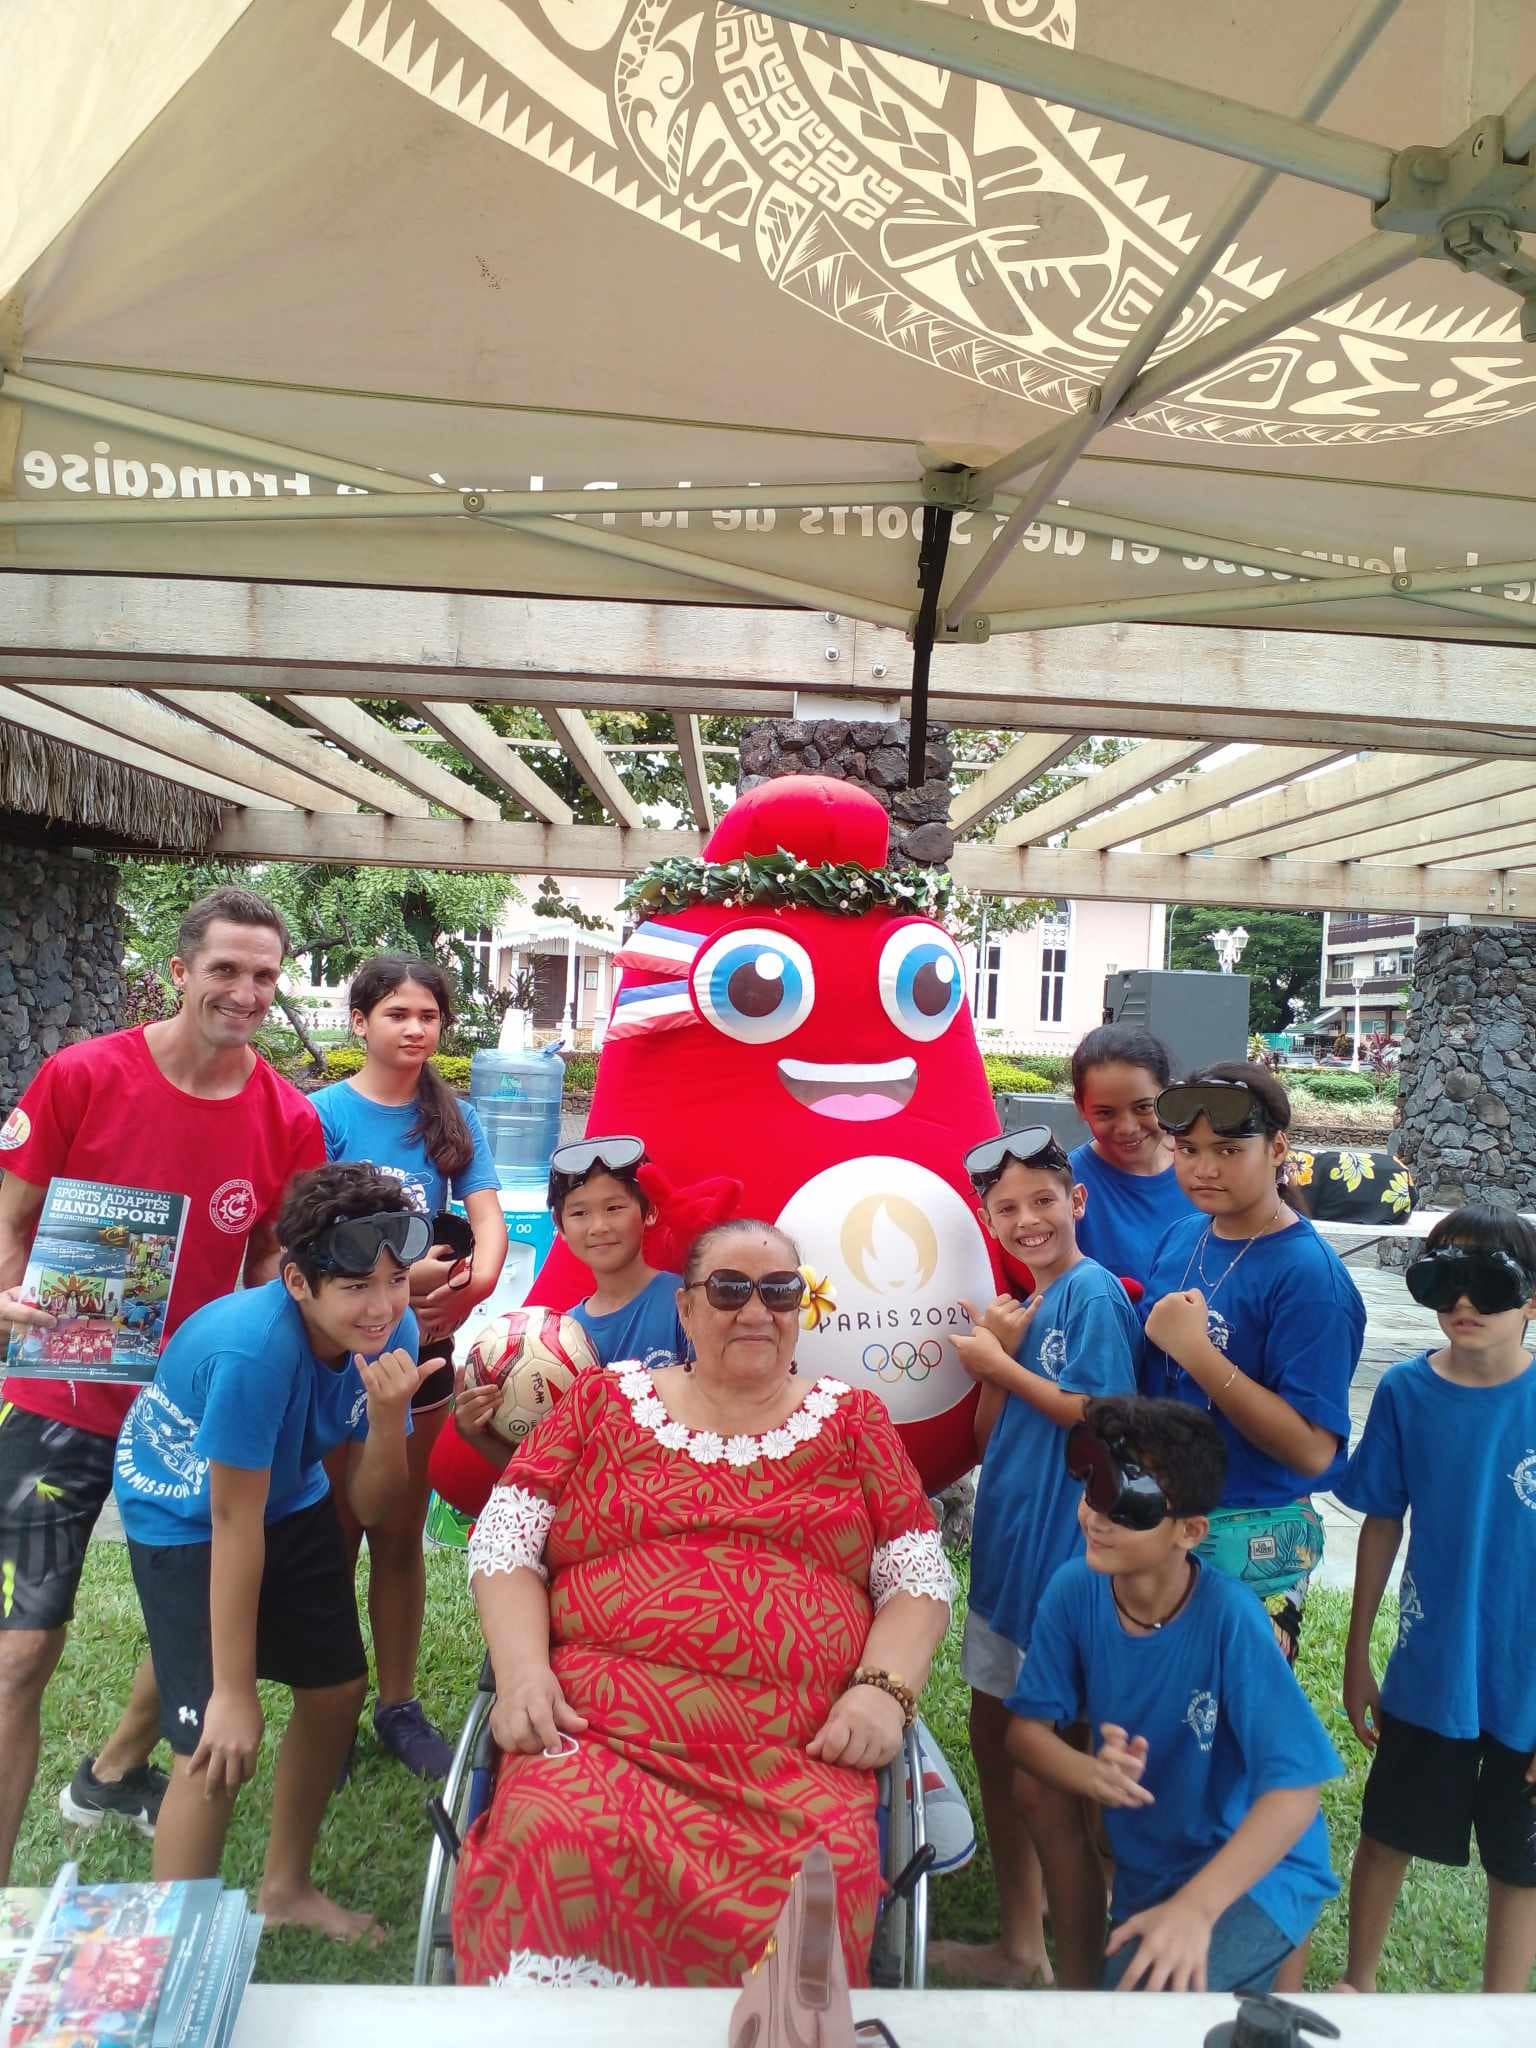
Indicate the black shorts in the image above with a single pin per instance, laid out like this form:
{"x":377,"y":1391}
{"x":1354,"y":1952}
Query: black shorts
{"x":1426,"y":1793}
{"x":54,"y":1483}
{"x":307,"y":1633}
{"x":437,"y":1388}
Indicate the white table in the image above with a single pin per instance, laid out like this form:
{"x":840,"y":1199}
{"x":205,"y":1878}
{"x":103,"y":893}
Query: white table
{"x":338,"y":2016}
{"x":1349,"y":1238}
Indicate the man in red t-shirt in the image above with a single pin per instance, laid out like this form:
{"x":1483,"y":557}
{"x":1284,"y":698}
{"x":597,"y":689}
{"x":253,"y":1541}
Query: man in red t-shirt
{"x":183,"y":1105}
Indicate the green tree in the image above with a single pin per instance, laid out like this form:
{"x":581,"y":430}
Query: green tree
{"x":1281,"y":956}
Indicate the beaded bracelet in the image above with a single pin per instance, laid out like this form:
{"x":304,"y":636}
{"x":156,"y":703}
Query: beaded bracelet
{"x":887,"y":1682}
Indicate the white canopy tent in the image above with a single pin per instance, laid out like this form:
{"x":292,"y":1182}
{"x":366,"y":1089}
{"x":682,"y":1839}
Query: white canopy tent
{"x":376,"y":297}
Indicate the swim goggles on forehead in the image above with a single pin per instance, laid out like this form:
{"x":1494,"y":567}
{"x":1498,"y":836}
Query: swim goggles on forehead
{"x":727,"y":1289}
{"x":353,"y":1245}
{"x":1034,"y":1145}
{"x":1114,"y":1485}
{"x":1230,"y":1108}
{"x":614,"y":1155}
{"x":1493,"y":1281}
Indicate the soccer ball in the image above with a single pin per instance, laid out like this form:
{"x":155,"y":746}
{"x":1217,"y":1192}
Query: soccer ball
{"x":532,"y":1354}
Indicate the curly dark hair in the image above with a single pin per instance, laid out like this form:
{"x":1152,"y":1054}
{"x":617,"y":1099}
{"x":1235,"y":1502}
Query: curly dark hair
{"x":699,"y":1250}
{"x":327,"y":1195}
{"x":1180,"y":1446}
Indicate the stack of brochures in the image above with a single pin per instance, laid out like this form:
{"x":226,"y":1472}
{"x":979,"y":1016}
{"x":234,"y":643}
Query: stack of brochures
{"x":124,"y":1965}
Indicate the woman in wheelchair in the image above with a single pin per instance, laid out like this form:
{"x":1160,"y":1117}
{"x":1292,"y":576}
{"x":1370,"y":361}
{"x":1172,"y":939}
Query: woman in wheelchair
{"x":711,"y":1594}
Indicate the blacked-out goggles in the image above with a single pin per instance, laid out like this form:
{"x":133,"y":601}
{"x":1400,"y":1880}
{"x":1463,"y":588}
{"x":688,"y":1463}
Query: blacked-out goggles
{"x":1493,"y":1281}
{"x":1034,"y":1145}
{"x":1114,"y":1484}
{"x":778,"y":1292}
{"x":1230,"y":1108}
{"x":353,"y":1246}
{"x":619,"y":1155}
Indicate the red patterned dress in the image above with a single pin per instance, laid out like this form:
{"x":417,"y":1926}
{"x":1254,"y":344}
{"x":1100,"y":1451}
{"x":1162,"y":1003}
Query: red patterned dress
{"x":709,"y":1599}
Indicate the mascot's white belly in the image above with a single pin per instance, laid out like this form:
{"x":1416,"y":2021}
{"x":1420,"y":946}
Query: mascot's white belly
{"x":902,"y":1251}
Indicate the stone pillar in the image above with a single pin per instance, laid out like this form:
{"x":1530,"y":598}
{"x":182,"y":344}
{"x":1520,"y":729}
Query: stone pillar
{"x":873,"y":754}
{"x":1467,"y":1084}
{"x":61,"y":949}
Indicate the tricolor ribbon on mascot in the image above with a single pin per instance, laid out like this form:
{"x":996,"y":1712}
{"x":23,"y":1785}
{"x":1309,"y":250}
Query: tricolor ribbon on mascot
{"x":661,"y":1005}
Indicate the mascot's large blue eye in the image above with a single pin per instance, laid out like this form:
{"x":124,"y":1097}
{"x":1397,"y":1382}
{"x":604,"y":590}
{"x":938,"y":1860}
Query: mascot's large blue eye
{"x":755,"y":985}
{"x":922,"y":980}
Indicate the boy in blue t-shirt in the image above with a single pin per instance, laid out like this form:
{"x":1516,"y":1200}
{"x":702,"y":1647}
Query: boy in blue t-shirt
{"x":1038,"y":1363}
{"x":603,"y":1213}
{"x":1210,"y":1757}
{"x":1451,"y":1435}
{"x":233,"y":1535}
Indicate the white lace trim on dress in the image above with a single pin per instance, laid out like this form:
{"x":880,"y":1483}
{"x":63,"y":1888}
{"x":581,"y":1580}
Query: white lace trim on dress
{"x":914,"y":1563}
{"x":510,"y":1533}
{"x":560,"y":1973}
{"x":706,"y":1446}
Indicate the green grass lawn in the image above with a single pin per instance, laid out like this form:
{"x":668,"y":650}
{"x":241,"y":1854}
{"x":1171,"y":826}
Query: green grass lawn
{"x":373,"y":1848}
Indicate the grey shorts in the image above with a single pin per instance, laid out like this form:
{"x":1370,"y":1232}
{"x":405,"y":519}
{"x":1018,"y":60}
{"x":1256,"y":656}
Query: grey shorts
{"x":989,"y":1662}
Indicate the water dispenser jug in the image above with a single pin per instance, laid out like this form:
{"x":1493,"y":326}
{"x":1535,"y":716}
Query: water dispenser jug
{"x":516,"y":1096}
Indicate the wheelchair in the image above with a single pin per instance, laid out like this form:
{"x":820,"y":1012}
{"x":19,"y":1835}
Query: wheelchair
{"x":898,"y":1957}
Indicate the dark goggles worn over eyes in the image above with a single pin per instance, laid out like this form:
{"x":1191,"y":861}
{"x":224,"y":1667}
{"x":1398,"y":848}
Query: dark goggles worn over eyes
{"x":618,"y":1155}
{"x":1034,"y":1145}
{"x":1493,"y":1281}
{"x":1115,"y":1485}
{"x":780,"y":1293}
{"x":1230,"y":1108}
{"x":353,"y":1246}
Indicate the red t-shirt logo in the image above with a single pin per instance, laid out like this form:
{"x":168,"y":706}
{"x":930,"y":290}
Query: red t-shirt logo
{"x":232,"y":1207}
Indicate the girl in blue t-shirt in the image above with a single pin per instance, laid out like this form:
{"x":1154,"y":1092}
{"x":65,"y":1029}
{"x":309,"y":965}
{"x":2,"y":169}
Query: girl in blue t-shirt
{"x":399,"y":1114}
{"x":1133,"y":1194}
{"x":1249,"y":1314}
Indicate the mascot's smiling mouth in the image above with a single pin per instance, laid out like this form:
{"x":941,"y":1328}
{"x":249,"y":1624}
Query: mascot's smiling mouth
{"x":855,"y":1095}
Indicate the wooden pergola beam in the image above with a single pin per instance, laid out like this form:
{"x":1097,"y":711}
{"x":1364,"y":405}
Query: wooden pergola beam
{"x":584,"y":750}
{"x":1261,"y":769}
{"x":20,"y":709}
{"x":1419,"y":839}
{"x":1140,"y":770}
{"x":1387,"y":816}
{"x":1029,"y":871}
{"x":690,"y":755}
{"x":1312,"y":805}
{"x":265,"y":733}
{"x":1023,"y":763}
{"x":479,"y":742}
{"x":387,"y":751}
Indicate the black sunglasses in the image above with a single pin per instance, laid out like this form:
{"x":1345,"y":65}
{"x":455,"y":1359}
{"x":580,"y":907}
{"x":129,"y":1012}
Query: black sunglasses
{"x":353,"y":1246}
{"x":616,"y":1155}
{"x":1114,"y":1484}
{"x":1230,"y":1108}
{"x":1493,"y":1281}
{"x":778,"y":1292}
{"x":1034,"y":1145}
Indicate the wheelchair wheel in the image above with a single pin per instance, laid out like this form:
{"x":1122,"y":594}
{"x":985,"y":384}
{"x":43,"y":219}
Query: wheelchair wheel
{"x":452,"y":1811}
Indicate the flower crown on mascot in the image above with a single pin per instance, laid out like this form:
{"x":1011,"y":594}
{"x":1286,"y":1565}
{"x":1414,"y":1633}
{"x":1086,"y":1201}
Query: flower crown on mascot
{"x":791,"y":1040}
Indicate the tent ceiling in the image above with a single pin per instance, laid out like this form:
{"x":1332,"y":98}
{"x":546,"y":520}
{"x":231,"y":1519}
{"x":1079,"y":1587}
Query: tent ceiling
{"x":384,"y":298}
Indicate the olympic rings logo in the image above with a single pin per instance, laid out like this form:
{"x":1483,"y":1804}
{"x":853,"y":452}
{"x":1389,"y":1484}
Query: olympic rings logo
{"x":903,"y":1361}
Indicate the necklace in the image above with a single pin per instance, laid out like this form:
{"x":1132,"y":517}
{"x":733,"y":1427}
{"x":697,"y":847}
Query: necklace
{"x":1196,"y":1259}
{"x":1177,"y":1608}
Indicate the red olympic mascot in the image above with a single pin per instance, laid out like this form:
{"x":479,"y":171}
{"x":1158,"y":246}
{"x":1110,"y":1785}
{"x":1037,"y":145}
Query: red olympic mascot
{"x":791,"y":1039}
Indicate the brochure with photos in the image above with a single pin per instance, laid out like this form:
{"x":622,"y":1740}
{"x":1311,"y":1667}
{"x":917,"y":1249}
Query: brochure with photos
{"x":103,"y":1263}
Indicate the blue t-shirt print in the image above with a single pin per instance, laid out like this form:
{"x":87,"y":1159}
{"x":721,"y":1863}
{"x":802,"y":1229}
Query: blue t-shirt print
{"x":238,"y":1384}
{"x":1126,"y":1214}
{"x":1084,"y":1337}
{"x":646,"y":1328}
{"x":1463,"y":1460}
{"x":379,"y":1132}
{"x":1225,"y":1722}
{"x":1286,"y":1312}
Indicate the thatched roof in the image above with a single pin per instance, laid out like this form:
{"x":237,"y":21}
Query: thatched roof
{"x":96,"y":798}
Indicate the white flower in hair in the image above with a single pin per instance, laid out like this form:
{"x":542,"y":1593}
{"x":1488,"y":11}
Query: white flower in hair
{"x":741,"y":1450}
{"x":673,"y":1436}
{"x":706,"y":1447}
{"x":778,"y":1443}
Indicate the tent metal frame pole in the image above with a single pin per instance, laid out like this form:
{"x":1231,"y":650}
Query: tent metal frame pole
{"x":676,"y":561}
{"x":1336,"y":65}
{"x":1168,"y":605}
{"x":1162,"y":106}
{"x":1520,"y":123}
{"x":932,"y":555}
